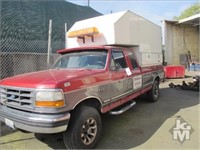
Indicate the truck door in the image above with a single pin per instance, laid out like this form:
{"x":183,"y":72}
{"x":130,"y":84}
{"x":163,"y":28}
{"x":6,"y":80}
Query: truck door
{"x":136,"y":71}
{"x":120,"y":85}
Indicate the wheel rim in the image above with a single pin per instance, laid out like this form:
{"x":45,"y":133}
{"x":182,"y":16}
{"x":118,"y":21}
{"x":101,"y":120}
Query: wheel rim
{"x":89,"y":131}
{"x":156,"y":91}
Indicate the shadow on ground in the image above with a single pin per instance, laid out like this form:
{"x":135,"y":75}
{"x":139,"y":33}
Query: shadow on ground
{"x":4,"y":130}
{"x":138,"y":124}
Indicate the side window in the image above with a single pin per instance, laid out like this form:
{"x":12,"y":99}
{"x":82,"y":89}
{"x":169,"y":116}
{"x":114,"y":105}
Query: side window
{"x":132,"y":58}
{"x":118,"y":59}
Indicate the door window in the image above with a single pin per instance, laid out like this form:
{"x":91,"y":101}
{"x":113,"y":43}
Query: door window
{"x":132,"y":58}
{"x":118,"y":60}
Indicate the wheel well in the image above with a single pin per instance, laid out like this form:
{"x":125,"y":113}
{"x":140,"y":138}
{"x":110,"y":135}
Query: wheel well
{"x":157,"y":79}
{"x":93,"y":102}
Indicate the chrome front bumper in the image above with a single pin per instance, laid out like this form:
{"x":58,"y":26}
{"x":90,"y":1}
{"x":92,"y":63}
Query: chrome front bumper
{"x":34,"y":122}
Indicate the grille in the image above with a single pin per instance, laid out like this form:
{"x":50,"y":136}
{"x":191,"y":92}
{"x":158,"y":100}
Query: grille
{"x":17,"y":97}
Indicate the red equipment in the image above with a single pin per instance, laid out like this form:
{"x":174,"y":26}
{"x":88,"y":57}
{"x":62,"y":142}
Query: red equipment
{"x":174,"y":71}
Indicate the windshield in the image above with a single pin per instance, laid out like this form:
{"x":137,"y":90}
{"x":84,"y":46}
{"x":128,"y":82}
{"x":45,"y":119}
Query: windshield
{"x":83,"y":59}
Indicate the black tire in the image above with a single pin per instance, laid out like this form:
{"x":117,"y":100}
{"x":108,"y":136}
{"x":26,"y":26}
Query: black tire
{"x":153,"y":94}
{"x":84,"y":129}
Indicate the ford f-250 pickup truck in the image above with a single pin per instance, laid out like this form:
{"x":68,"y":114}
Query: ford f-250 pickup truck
{"x":83,"y":83}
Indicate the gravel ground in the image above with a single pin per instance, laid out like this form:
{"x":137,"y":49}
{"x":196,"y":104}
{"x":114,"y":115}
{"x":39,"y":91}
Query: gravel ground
{"x":145,"y":126}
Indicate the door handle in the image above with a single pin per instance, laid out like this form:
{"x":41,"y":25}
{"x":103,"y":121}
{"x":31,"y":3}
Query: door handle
{"x":100,"y":90}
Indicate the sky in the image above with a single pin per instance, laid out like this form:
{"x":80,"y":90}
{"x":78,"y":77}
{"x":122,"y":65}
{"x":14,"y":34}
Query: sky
{"x":153,"y":10}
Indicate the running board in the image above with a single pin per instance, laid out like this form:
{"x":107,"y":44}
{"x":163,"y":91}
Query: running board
{"x":127,"y":107}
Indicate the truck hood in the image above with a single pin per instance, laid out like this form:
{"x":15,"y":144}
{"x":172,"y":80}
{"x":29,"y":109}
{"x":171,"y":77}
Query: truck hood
{"x":47,"y":78}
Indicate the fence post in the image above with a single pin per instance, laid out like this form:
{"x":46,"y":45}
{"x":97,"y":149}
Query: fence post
{"x":49,"y":43}
{"x":65,"y":35}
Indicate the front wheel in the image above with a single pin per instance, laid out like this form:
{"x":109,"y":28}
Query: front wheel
{"x":153,"y":94}
{"x":84,"y":129}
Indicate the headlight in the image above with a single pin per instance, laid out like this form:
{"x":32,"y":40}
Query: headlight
{"x":49,"y":98}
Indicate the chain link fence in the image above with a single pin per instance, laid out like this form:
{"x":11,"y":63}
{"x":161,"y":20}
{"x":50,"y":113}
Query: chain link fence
{"x":24,"y":34}
{"x":25,"y":30}
{"x":20,"y":56}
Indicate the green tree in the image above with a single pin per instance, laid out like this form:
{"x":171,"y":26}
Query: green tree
{"x":192,"y":10}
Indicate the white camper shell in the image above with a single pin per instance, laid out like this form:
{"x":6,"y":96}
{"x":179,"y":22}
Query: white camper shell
{"x":120,"y":29}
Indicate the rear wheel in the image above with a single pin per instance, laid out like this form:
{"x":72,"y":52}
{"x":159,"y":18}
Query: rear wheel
{"x":153,"y":94}
{"x":84,"y":129}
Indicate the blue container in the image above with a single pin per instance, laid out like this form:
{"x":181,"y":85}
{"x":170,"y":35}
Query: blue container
{"x":194,"y":67}
{"x":197,"y":67}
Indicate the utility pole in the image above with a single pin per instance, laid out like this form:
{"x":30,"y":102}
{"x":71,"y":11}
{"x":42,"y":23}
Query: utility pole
{"x":88,"y":3}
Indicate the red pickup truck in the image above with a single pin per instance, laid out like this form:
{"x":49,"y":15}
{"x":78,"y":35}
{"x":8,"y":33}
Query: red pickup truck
{"x":83,"y":83}
{"x":69,"y":97}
